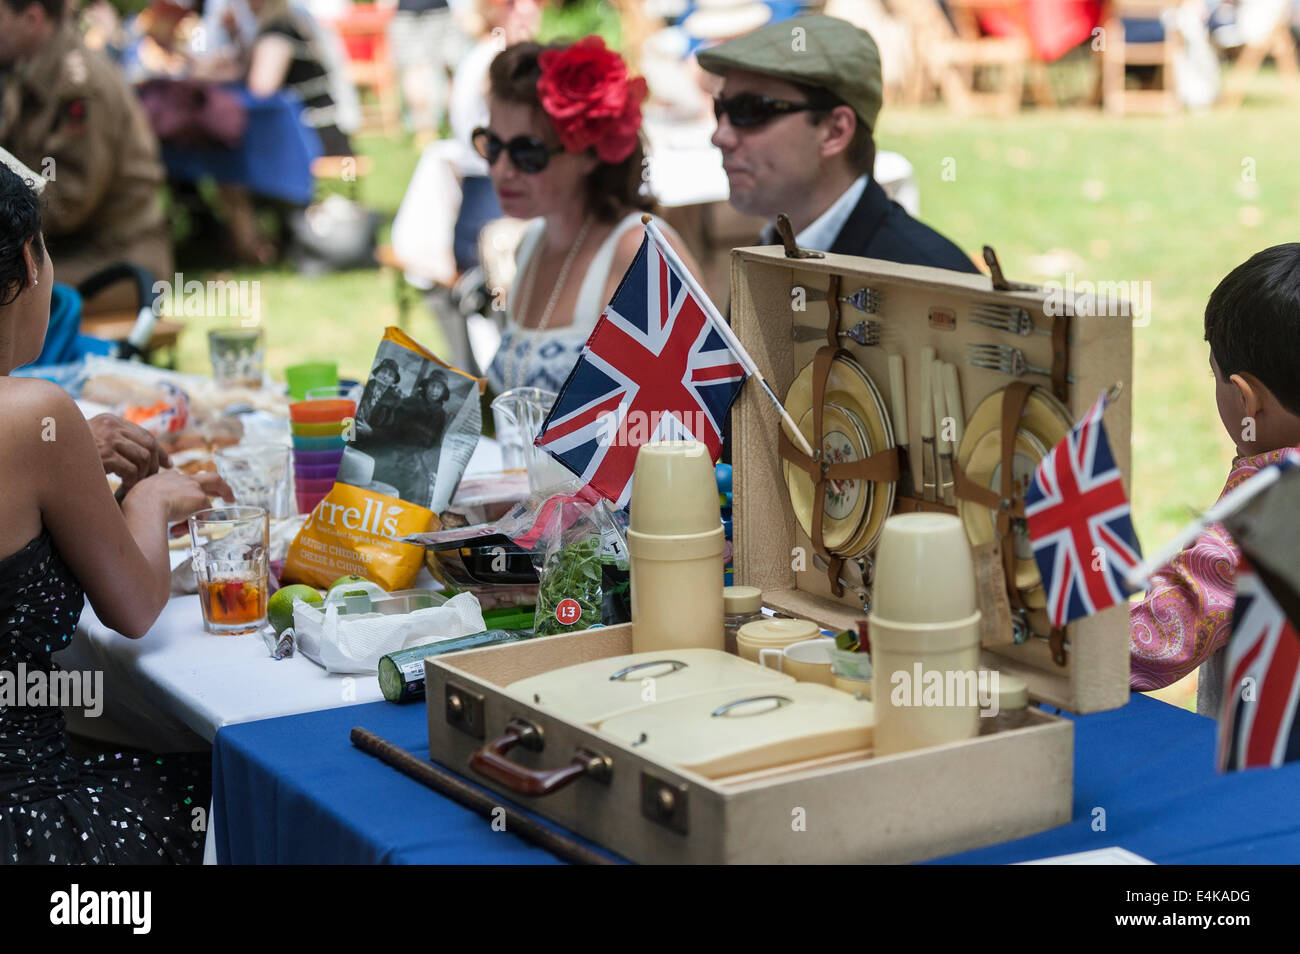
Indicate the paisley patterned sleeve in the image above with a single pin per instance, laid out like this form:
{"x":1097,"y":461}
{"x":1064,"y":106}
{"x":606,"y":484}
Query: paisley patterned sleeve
{"x":1187,"y":612}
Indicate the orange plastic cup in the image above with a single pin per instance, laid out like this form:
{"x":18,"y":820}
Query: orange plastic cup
{"x":329,"y":411}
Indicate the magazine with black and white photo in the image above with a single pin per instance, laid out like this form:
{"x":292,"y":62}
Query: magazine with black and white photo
{"x":418,"y":422}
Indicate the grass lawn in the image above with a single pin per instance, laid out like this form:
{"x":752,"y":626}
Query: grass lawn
{"x":1176,"y":202}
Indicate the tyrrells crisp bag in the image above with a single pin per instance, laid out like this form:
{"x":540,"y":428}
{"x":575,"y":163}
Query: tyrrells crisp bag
{"x":351,"y":532}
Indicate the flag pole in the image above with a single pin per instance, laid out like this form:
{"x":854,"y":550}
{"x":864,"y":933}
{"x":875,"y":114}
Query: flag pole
{"x":720,"y":325}
{"x":1229,"y":504}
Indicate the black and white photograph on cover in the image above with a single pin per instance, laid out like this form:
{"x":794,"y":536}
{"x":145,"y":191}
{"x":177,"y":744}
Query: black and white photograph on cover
{"x":402,"y":420}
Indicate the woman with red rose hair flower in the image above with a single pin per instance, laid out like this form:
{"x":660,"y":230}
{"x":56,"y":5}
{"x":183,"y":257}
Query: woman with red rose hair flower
{"x":563,"y":148}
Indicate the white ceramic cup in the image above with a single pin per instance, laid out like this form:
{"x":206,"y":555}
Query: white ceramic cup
{"x":808,"y":661}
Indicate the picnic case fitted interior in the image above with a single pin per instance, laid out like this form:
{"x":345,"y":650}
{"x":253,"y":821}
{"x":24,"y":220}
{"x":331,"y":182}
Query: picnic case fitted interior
{"x":849,"y":807}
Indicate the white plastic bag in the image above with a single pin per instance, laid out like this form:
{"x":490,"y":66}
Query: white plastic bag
{"x":354,"y":642}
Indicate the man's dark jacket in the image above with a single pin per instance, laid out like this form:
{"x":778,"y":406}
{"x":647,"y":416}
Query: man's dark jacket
{"x":878,"y":227}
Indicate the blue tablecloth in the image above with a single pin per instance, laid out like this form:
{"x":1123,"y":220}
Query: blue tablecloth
{"x":274,"y":160}
{"x":295,"y":790}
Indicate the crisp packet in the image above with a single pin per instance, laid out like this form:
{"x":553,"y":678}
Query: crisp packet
{"x":351,"y":532}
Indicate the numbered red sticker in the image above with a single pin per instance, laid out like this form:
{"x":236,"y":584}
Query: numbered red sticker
{"x":568,"y":612}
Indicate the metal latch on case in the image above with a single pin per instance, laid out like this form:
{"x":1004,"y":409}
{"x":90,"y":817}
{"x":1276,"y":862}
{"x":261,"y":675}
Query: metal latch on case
{"x":665,"y":803}
{"x":464,"y":710}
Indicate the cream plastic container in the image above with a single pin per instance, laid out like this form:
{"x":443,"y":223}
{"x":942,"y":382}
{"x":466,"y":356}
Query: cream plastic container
{"x":924,"y":630}
{"x":675,"y":543}
{"x":773,"y":634}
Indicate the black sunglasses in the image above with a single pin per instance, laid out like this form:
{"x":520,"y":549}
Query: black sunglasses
{"x":528,"y":153}
{"x":746,"y":110}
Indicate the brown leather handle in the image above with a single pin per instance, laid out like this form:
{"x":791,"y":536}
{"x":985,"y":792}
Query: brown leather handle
{"x":491,"y":760}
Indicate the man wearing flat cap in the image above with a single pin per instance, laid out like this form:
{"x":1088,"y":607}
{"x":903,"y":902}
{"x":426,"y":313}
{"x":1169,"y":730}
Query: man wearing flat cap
{"x":796,"y":120}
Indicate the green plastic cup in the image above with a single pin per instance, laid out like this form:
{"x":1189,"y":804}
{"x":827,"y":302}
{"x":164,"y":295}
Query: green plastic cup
{"x":301,"y":378}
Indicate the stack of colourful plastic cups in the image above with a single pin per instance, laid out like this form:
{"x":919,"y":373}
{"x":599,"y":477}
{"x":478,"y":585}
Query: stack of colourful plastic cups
{"x":320,"y":430}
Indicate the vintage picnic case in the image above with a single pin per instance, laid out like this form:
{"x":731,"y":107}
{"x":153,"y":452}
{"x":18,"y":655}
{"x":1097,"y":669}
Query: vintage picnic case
{"x":1006,"y":783}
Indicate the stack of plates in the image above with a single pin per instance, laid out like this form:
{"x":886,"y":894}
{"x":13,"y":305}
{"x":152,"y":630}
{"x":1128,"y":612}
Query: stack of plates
{"x":855,"y":425}
{"x":1043,"y":424}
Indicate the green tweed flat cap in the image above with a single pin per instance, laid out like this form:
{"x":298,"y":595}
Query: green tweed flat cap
{"x":815,"y":49}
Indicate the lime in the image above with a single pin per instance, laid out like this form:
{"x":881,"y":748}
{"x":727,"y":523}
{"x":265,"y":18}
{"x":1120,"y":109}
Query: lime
{"x":279,"y":608}
{"x":348,"y":584}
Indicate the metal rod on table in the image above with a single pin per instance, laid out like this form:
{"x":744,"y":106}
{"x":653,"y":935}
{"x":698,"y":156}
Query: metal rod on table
{"x":721,"y":327}
{"x":461,"y":792}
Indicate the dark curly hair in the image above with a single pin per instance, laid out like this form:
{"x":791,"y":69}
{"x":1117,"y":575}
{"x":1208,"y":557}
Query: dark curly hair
{"x":612,"y":188}
{"x":20,"y":223}
{"x":1252,"y":322}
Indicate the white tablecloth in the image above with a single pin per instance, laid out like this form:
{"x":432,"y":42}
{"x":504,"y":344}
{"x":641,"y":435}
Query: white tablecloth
{"x":172,"y":689}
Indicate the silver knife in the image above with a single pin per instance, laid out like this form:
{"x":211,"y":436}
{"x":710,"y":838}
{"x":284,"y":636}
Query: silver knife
{"x":942,"y":445}
{"x":928,"y":465}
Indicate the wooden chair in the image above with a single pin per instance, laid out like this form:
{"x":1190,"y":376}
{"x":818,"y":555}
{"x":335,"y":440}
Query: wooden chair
{"x":364,"y":32}
{"x":1279,"y":44}
{"x":1119,"y":53}
{"x":950,"y":57}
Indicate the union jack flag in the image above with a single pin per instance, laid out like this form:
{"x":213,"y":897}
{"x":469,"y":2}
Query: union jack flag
{"x":1261,"y":669}
{"x":653,"y":369}
{"x":1261,"y":680}
{"x":1079,"y":523}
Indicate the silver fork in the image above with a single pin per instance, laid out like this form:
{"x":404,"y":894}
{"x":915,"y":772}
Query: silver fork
{"x":865,"y":300}
{"x":1010,"y":318}
{"x":865,"y":333}
{"x":1005,"y":360}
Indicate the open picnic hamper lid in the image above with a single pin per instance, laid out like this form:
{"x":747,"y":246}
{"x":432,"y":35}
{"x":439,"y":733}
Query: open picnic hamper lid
{"x":1082,"y":668}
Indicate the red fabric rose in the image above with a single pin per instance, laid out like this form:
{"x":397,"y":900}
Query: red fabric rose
{"x":585,"y":91}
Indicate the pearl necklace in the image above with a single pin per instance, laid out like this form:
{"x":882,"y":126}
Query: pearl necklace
{"x":518,"y":369}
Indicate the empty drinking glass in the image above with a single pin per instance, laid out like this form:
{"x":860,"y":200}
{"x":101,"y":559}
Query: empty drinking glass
{"x":236,"y":355}
{"x":259,"y":476}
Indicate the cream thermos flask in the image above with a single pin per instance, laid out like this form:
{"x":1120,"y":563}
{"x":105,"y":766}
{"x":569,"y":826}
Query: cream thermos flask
{"x":675,"y":541}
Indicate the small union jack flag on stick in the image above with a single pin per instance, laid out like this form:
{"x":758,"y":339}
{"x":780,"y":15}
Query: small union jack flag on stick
{"x":1079,"y":523}
{"x":1261,"y":685}
{"x":661,"y":364}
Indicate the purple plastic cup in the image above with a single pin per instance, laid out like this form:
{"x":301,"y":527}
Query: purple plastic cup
{"x":303,"y":472}
{"x":316,"y":458}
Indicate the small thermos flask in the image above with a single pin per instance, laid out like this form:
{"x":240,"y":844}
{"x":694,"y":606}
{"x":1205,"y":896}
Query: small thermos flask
{"x":674,"y":541}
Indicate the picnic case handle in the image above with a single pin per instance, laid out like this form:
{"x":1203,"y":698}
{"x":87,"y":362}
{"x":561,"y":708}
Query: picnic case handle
{"x":492,"y":761}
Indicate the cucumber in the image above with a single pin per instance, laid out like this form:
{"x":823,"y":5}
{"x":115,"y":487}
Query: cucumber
{"x":401,"y":674}
{"x":515,"y":617}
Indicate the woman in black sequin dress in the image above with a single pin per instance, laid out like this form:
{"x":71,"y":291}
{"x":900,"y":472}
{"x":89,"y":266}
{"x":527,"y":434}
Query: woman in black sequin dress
{"x":64,"y":537}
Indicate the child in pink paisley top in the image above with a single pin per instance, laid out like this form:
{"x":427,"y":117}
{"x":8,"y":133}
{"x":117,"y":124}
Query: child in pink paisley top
{"x":1252,"y":323}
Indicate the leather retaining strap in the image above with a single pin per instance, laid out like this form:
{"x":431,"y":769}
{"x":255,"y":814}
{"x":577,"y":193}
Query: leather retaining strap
{"x":880,"y":466}
{"x":1005,"y":503}
{"x":1061,"y":357}
{"x":833,"y":313}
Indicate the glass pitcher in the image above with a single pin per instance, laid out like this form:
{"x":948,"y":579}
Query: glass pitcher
{"x":519,"y":414}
